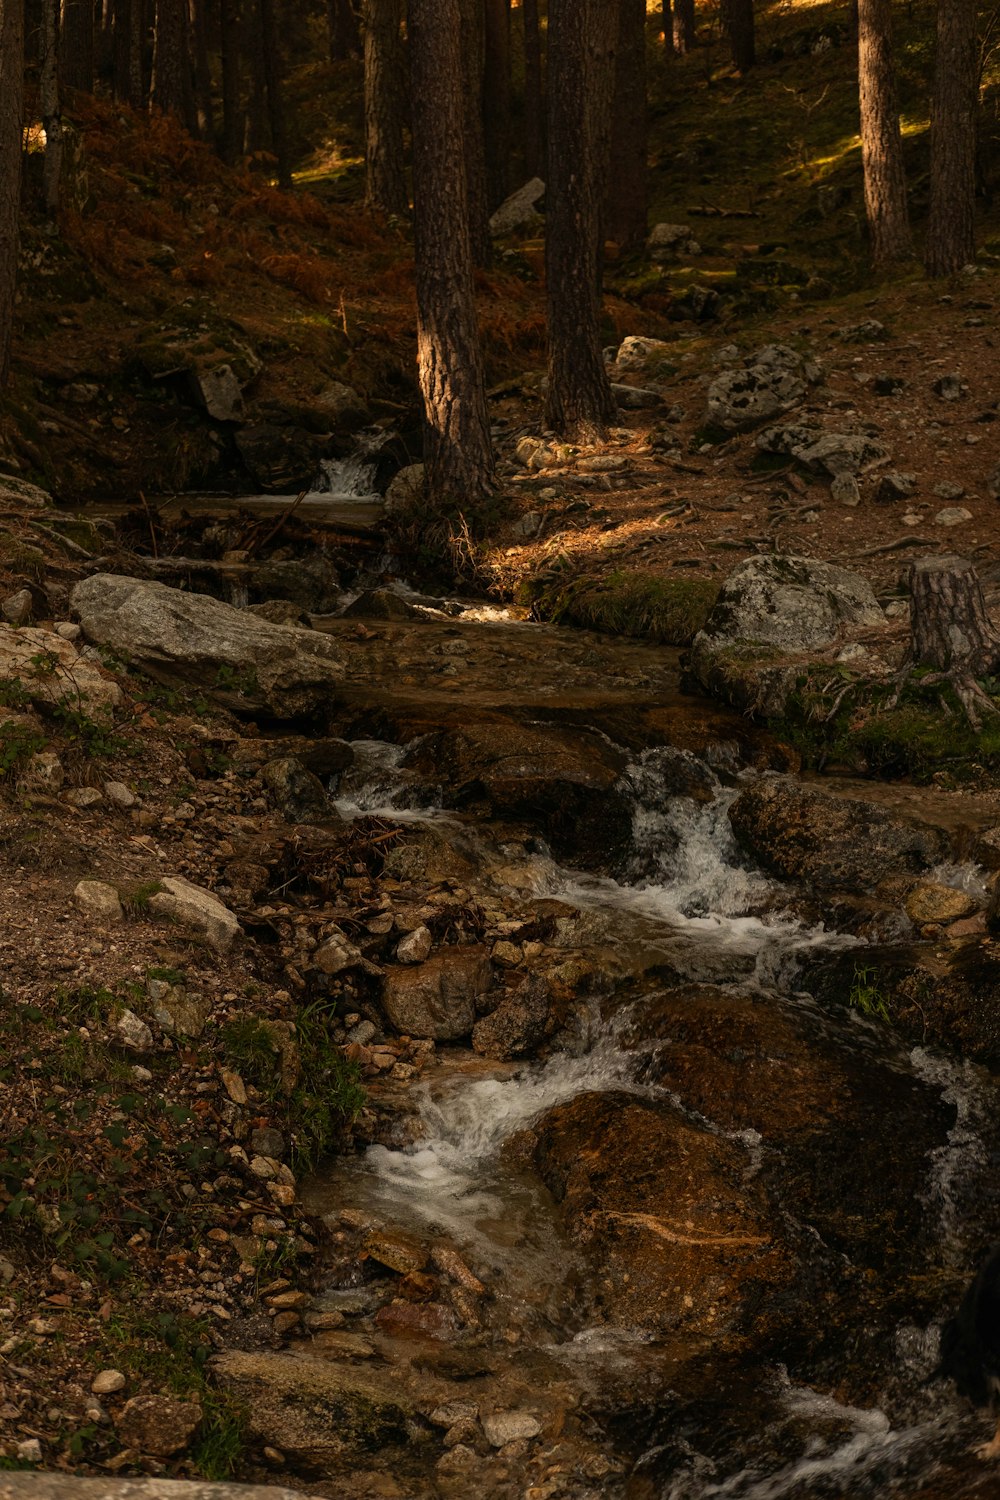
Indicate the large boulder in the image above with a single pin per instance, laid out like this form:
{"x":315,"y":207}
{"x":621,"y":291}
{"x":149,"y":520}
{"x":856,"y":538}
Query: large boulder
{"x":829,"y":842}
{"x":832,"y":453}
{"x":771,"y":608}
{"x":517,"y":1025}
{"x":438,"y":999}
{"x":194,"y":641}
{"x":773,"y":381}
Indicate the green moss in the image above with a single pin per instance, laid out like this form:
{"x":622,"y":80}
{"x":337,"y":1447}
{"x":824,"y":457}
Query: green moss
{"x":669,"y":611}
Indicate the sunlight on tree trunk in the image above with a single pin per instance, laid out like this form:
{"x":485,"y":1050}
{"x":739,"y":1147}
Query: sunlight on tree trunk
{"x":881,"y":142}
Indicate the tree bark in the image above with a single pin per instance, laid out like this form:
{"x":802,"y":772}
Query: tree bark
{"x":170,"y":62}
{"x":951,"y":228}
{"x":342,"y":29}
{"x":385,"y":107}
{"x":738,"y":21}
{"x":11,"y":125}
{"x":473,"y":61}
{"x":951,"y":632}
{"x":534,"y":108}
{"x":458,"y":450}
{"x":881,"y":142}
{"x":77,"y":61}
{"x":496,"y":102}
{"x":230,"y":28}
{"x":683,"y":26}
{"x":668,"y":27}
{"x":48,"y":88}
{"x":581,"y":33}
{"x":626,"y":198}
{"x":202,"y":76}
{"x":275,"y":94}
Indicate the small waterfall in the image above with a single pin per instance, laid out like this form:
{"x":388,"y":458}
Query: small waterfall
{"x":351,"y":478}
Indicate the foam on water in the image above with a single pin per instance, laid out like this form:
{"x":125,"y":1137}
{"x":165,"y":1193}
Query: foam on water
{"x":350,"y":478}
{"x":955,"y":1165}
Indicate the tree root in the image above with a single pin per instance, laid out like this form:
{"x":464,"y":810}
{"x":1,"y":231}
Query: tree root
{"x":973,"y":698}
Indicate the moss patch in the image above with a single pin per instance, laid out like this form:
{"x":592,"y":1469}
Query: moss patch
{"x":669,"y":611}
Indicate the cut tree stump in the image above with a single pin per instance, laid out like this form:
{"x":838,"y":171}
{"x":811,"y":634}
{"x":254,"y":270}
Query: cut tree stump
{"x":951,"y":632}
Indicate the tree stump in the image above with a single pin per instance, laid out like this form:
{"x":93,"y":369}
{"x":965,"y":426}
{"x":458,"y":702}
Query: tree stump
{"x":951,"y":632}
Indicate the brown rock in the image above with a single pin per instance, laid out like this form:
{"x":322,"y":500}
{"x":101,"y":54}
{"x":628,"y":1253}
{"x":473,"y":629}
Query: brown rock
{"x":450,"y":1263}
{"x":158,"y":1425}
{"x":437,"y":999}
{"x":931,"y":902}
{"x":430,"y":1320}
{"x":400,"y":1252}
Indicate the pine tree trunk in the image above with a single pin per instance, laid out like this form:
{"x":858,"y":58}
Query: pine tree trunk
{"x":683,"y":26}
{"x":170,"y":63}
{"x":580,"y":403}
{"x":881,"y":142}
{"x":385,"y":107}
{"x":738,"y":21}
{"x":275,"y":95}
{"x":11,"y":123}
{"x":951,"y":237}
{"x":668,"y":27}
{"x":534,"y":107}
{"x":496,"y":102}
{"x":77,"y":52}
{"x":48,"y":90}
{"x":230,"y":27}
{"x":473,"y":60}
{"x":342,"y":29}
{"x":138,"y":85}
{"x":202,"y":79}
{"x":458,"y":450}
{"x":626,"y":198}
{"x":951,"y":633}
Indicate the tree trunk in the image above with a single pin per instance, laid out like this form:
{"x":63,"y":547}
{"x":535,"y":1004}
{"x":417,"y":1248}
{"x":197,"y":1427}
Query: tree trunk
{"x":77,"y":51}
{"x":11,"y":125}
{"x":881,"y":142}
{"x":385,"y":106}
{"x":737,"y":18}
{"x":202,"y":78}
{"x":170,"y":62}
{"x":683,"y":26}
{"x":534,"y":109}
{"x":457,"y":447}
{"x":342,"y":29}
{"x":951,"y":632}
{"x":230,"y":27}
{"x":580,"y":403}
{"x":473,"y":58}
{"x":668,"y":27}
{"x":275,"y":95}
{"x":496,"y":101}
{"x":48,"y":89}
{"x":626,"y":198}
{"x":951,"y":238}
{"x":138,"y":86}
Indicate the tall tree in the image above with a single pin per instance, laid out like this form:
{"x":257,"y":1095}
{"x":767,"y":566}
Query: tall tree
{"x":385,"y":106}
{"x":271,"y":53}
{"x":201,"y":80}
{"x":582,"y":36}
{"x":170,"y":60}
{"x":458,"y":450}
{"x":534,"y":106}
{"x":230,"y":29}
{"x":48,"y":91}
{"x":342,"y":30}
{"x":951,"y":239}
{"x":77,"y":60}
{"x":881,"y":141}
{"x":738,"y":21}
{"x":668,"y":27}
{"x":496,"y":101}
{"x":626,"y":198}
{"x":11,"y":123}
{"x":683,"y":26}
{"x":473,"y":63}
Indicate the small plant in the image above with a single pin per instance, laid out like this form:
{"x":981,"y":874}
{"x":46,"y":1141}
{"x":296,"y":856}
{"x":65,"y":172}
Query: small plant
{"x":868,"y":996}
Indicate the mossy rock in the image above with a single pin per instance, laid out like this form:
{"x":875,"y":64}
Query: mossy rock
{"x":669,"y":611}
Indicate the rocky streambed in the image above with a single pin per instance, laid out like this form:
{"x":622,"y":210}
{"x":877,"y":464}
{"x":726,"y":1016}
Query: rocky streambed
{"x":680,"y":1132}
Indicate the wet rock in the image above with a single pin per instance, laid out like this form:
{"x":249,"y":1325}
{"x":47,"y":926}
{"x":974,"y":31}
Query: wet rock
{"x":774,"y":380}
{"x":517,"y":1026}
{"x":194,"y":907}
{"x":192,"y":640}
{"x":932,"y":902}
{"x":50,"y":671}
{"x":159,"y":1425}
{"x":566,"y":783}
{"x":97,"y":899}
{"x":279,"y":612}
{"x":279,"y":459}
{"x":829,"y":842}
{"x":381,"y":604}
{"x":400,"y":1252}
{"x":298,"y":795}
{"x":502,"y":1427}
{"x":451,"y":1264}
{"x":429,"y":1320}
{"x":519,"y":209}
{"x":437,"y":1000}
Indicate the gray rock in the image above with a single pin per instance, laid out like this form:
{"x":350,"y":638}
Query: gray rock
{"x":948,"y":489}
{"x":99,"y":900}
{"x":668,"y":241}
{"x":135,"y":1034}
{"x":437,"y":999}
{"x":159,"y":1425}
{"x":381,"y":604}
{"x":362,"y":1033}
{"x":950,"y":387}
{"x":635,"y":397}
{"x":107,"y":1382}
{"x":19,"y":492}
{"x":519,"y":209}
{"x":266,"y":1141}
{"x":177,"y":1012}
{"x":869,"y":332}
{"x":993,"y":484}
{"x":45,"y":768}
{"x":336,"y":954}
{"x":636,"y":353}
{"x":194,"y":907}
{"x":51,"y":671}
{"x":16,"y":608}
{"x":953,"y":515}
{"x":68,"y":630}
{"x":192,"y":639}
{"x":502,"y":1427}
{"x":57,"y":1486}
{"x":893,"y":486}
{"x":298,"y":794}
{"x":218,"y":390}
{"x":119,"y":795}
{"x":841,"y":453}
{"x":773,"y":381}
{"x":517,"y":1026}
{"x":84,"y":796}
{"x":844,"y":489}
{"x":342,"y":407}
{"x":415,"y":947}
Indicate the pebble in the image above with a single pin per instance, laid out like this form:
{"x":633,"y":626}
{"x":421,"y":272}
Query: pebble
{"x":415,"y":947}
{"x":107,"y":1382}
{"x":119,"y":795}
{"x":83,"y":796}
{"x":955,"y":515}
{"x":97,"y":899}
{"x":135,"y":1034}
{"x":29,"y":1451}
{"x":503,"y":1427}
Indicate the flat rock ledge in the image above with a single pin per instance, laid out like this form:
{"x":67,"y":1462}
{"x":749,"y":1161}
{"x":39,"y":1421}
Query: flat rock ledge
{"x":42,"y":1486}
